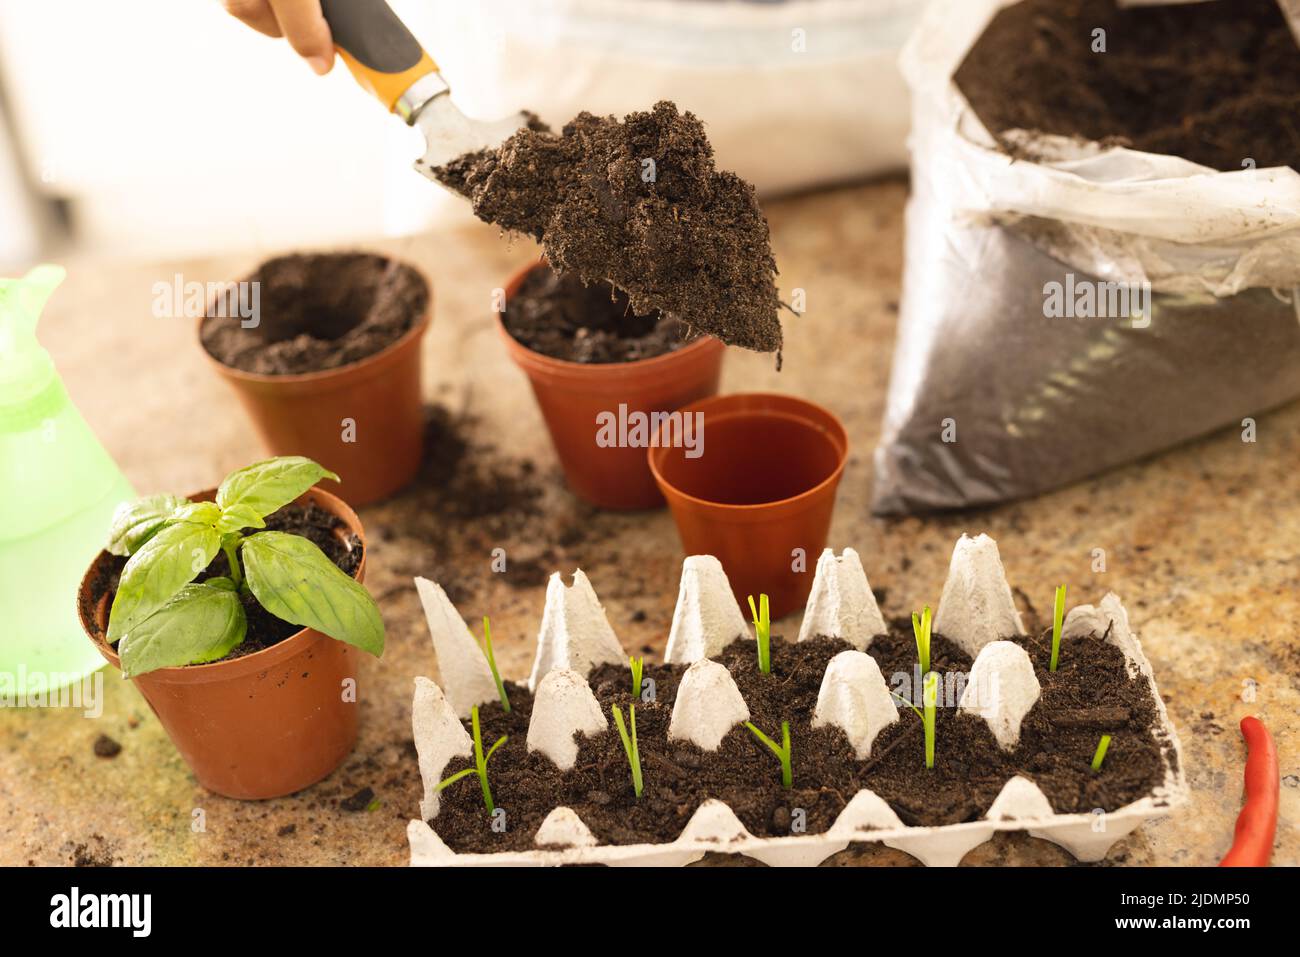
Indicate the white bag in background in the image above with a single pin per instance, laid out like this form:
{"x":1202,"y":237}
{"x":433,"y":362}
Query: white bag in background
{"x":793,"y":94}
{"x":1036,"y":402}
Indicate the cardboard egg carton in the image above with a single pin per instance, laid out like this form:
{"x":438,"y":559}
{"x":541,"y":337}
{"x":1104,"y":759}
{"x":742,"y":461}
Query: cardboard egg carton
{"x":976,"y":611}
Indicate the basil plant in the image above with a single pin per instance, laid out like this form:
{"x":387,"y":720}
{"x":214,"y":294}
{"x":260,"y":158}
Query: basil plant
{"x":162,"y":618}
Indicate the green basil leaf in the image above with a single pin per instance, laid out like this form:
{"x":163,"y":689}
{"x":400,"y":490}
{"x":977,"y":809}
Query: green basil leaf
{"x":235,"y":517}
{"x":270,"y":485}
{"x":293,"y":580}
{"x":170,"y":560}
{"x":200,"y":513}
{"x":134,"y":523}
{"x":199,"y":623}
{"x":225,"y":584}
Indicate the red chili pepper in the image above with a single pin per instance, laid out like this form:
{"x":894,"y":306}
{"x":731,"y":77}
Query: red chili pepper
{"x":1252,"y":844}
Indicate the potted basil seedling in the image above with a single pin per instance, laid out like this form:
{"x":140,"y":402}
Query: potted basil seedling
{"x":238,"y":614}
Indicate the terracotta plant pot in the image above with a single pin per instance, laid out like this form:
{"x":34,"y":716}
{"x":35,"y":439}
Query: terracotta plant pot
{"x":263,"y":725}
{"x":572,"y":394}
{"x":307,"y":413}
{"x":763,"y":487}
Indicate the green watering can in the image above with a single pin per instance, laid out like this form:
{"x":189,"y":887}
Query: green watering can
{"x":58,"y":492}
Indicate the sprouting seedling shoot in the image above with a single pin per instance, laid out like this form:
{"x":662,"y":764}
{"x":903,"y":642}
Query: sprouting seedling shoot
{"x":782,"y":750}
{"x":921,"y":629}
{"x":492,"y":663}
{"x":1058,"y":616}
{"x":629,"y":744}
{"x":1100,"y":754}
{"x":763,"y":632}
{"x":480,"y":763}
{"x":929,"y":701}
{"x":638,"y":666}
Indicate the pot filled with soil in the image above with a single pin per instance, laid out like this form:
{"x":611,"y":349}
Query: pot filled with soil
{"x":760,"y":492}
{"x":928,"y":737}
{"x":1105,"y":198}
{"x":329,"y":367}
{"x":602,"y":375}
{"x":239,"y":615}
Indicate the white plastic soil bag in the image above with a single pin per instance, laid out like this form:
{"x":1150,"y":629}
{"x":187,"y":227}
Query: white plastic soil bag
{"x":992,"y":396}
{"x":793,"y":93}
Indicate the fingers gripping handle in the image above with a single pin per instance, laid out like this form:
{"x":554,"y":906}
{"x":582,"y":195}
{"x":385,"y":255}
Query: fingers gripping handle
{"x":382,"y":54}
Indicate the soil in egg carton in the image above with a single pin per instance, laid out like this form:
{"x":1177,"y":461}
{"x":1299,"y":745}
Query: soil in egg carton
{"x":1090,"y":694}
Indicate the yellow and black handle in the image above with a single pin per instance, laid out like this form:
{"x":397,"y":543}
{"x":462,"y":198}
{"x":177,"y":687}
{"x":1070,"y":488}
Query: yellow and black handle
{"x":382,"y":54}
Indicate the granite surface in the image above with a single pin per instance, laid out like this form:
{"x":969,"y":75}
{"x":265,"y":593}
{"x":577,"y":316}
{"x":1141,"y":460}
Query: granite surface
{"x":1202,"y":543}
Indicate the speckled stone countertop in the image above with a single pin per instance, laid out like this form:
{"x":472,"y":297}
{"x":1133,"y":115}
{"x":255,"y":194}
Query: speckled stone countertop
{"x":1202,"y":543}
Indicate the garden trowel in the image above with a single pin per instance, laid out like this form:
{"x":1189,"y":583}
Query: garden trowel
{"x":389,"y":62}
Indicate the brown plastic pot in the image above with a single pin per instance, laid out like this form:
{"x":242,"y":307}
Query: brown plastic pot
{"x":572,"y":394}
{"x":763,"y":487}
{"x":303,"y":414}
{"x":261,"y":726}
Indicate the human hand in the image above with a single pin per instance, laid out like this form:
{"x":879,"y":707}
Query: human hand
{"x":300,"y":21}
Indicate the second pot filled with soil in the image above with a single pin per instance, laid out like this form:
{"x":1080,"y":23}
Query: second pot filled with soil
{"x":598,"y":372}
{"x":275,"y":716}
{"x":330,"y":369}
{"x":760,"y":495}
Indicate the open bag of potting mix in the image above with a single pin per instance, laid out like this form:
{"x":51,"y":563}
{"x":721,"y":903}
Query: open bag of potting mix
{"x":1074,"y":302}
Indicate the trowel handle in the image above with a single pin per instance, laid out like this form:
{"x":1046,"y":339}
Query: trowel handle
{"x":382,"y":54}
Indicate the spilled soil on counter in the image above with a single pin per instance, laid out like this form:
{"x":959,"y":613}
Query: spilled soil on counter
{"x":638,"y":204}
{"x":1215,"y":83}
{"x":1090,"y":694}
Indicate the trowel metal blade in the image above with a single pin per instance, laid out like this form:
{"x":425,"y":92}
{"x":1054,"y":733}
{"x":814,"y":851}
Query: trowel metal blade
{"x":449,"y":133}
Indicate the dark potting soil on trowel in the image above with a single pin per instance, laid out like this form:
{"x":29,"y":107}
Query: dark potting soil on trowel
{"x":328,"y":532}
{"x":560,"y":316}
{"x":1090,"y":694}
{"x":1215,"y":83}
{"x":639,"y":204}
{"x":316,"y":312}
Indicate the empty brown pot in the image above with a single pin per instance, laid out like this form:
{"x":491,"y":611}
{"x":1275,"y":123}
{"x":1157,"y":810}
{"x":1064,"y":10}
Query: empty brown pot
{"x":261,"y":726}
{"x":363,"y":420}
{"x":763,"y":487}
{"x":572,"y":394}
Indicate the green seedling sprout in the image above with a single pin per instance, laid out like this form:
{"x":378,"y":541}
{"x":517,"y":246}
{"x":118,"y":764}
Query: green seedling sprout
{"x":921,"y":629}
{"x":1058,"y":616}
{"x":763,"y":632}
{"x":1100,"y":755}
{"x":480,"y":763}
{"x":629,"y":744}
{"x":930,"y":701}
{"x":930,"y":698}
{"x":782,"y":750}
{"x":492,"y":663}
{"x":638,"y":666}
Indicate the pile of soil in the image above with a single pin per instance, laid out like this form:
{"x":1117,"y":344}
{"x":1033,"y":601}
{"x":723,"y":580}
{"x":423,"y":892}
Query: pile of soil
{"x":560,"y":316}
{"x":641,"y":205}
{"x":1090,"y":694}
{"x":468,"y":498}
{"x":316,"y":312}
{"x":1215,"y":83}
{"x":325,"y":530}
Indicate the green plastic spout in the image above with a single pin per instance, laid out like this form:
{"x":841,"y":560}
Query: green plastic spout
{"x":58,"y":492}
{"x":25,"y":368}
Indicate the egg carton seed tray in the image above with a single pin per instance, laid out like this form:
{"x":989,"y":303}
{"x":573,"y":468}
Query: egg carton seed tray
{"x":976,"y":611}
